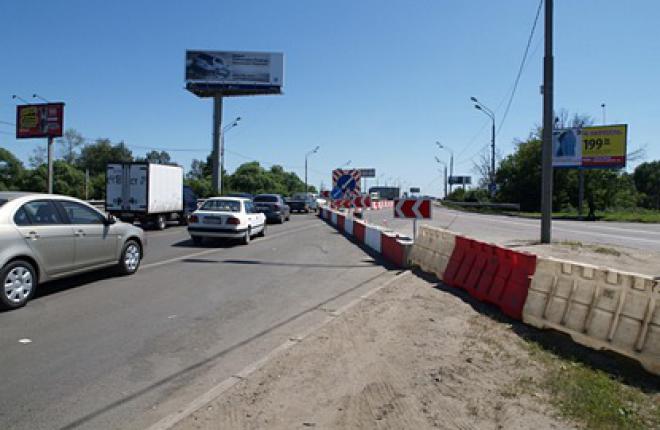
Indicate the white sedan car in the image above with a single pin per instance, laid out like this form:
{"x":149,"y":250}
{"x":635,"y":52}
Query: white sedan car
{"x":226,"y":218}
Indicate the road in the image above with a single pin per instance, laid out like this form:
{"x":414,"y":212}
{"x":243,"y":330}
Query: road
{"x":508,"y":230}
{"x":110,"y":352}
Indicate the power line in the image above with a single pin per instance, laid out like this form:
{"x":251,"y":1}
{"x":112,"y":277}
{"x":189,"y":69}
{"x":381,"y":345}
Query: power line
{"x":522,"y":66}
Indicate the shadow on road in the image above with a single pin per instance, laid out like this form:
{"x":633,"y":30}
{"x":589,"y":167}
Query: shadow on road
{"x":366,"y":263}
{"x":627,"y":370}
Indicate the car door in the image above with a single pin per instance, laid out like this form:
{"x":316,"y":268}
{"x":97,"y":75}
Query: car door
{"x":95,"y":241}
{"x":47,"y":234}
{"x":252,"y":216}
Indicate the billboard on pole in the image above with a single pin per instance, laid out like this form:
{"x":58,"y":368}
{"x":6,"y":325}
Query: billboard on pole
{"x":39,"y":120}
{"x":604,"y":146}
{"x":590,"y":147}
{"x":234,"y":73}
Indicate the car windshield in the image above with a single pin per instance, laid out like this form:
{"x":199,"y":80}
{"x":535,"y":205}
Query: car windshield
{"x":222,"y":206}
{"x":268,"y":199}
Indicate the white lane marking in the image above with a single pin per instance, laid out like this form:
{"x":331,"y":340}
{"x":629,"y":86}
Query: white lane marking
{"x":534,"y":223}
{"x":25,"y":340}
{"x":212,"y":250}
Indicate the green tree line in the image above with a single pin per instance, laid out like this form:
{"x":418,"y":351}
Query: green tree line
{"x":78,"y":159}
{"x":518,"y":179}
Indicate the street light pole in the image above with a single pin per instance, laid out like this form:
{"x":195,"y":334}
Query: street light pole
{"x":483,"y":108}
{"x":222,"y":153}
{"x":548,"y":94}
{"x":445,"y":166}
{"x":451,"y":164}
{"x":307,"y":155}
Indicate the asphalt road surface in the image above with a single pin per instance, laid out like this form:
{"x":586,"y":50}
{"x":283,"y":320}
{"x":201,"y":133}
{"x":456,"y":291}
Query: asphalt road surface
{"x":106,"y":352}
{"x":507,"y":230}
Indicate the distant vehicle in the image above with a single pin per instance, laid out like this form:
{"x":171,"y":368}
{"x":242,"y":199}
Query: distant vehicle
{"x":241,"y":195}
{"x":386,"y":193}
{"x":226,"y":218}
{"x":273,"y":206}
{"x":150,"y":193}
{"x":375,"y":196}
{"x":302,"y":202}
{"x":45,"y":237}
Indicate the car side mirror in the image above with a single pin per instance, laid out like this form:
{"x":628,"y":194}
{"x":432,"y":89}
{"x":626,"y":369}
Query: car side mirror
{"x":110,"y":219}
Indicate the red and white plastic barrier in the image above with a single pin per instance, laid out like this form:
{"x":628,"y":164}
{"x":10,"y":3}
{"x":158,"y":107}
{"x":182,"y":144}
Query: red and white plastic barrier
{"x":393,"y":247}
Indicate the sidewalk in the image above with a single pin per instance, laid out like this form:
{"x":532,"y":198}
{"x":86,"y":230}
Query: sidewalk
{"x":409,"y":357}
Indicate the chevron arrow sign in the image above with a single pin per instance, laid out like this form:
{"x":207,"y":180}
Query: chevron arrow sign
{"x":412,"y":208}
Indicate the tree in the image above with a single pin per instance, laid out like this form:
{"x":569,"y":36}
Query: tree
{"x":11,"y":171}
{"x":70,"y":142}
{"x":161,"y":157}
{"x":647,"y":181}
{"x":39,"y":156}
{"x":95,"y":156}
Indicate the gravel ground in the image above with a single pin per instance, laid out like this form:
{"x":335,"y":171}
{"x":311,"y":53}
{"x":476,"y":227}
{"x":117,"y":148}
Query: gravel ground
{"x":409,"y":357}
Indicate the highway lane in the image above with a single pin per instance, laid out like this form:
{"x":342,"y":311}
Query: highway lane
{"x":508,"y":230}
{"x":122,"y":352}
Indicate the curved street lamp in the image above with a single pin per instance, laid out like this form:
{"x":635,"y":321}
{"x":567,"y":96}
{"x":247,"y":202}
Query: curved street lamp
{"x":313,"y":151}
{"x":483,"y":108}
{"x":222,"y":151}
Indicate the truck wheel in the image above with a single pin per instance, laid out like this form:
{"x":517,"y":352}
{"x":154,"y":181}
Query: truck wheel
{"x":19,"y":282}
{"x":131,"y":257}
{"x":161,"y":222}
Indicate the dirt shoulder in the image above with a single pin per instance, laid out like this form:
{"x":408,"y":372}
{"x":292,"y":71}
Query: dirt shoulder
{"x":409,"y":357}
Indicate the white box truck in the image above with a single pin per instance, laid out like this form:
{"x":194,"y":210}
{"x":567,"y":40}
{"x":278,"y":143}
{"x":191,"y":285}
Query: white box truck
{"x":150,"y":193}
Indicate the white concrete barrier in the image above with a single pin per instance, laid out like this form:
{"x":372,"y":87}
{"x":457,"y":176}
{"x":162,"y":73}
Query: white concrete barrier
{"x":372,"y":237}
{"x":432,"y":249}
{"x":333,"y":218}
{"x":348,"y":225}
{"x":598,"y":307}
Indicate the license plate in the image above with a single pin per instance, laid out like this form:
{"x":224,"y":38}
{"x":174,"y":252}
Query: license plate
{"x":214,"y":220}
{"x":262,"y":208}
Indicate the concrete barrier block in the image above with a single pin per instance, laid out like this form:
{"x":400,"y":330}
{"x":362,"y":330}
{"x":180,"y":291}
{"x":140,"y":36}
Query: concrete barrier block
{"x":598,"y":307}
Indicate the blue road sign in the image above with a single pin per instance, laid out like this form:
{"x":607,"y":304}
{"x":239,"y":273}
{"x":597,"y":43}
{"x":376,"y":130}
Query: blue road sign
{"x":345,"y":184}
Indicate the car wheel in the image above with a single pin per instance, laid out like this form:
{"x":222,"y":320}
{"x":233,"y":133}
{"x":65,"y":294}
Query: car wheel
{"x":19,"y":282}
{"x":288,"y":217}
{"x":131,"y":257}
{"x":281,"y":220}
{"x":197,"y":240}
{"x":262,"y":233}
{"x":161,"y":222}
{"x":247,"y":237}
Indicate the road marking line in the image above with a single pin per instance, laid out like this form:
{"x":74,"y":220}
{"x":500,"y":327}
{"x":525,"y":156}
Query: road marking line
{"x":211,"y":251}
{"x":171,"y":420}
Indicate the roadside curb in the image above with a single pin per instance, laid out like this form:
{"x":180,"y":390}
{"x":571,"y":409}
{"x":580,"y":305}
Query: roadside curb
{"x":173,"y":419}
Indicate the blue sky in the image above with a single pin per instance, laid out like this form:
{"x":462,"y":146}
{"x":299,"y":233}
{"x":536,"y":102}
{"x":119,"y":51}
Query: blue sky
{"x":374,"y":82}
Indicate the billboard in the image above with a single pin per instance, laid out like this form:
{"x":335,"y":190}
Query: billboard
{"x":39,"y":120}
{"x":590,"y":147}
{"x":604,"y":146}
{"x":460,"y":180}
{"x":368,"y":173}
{"x":233,"y":73}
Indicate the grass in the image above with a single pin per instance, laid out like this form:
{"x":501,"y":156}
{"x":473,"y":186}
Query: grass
{"x":593,"y":397}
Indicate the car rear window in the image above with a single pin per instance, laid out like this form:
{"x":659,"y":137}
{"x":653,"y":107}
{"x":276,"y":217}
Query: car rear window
{"x":272,"y":199}
{"x":222,"y":206}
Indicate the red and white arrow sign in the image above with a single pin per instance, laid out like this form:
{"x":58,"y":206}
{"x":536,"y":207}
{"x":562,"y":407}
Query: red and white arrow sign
{"x":355,"y":202}
{"x":412,"y":208}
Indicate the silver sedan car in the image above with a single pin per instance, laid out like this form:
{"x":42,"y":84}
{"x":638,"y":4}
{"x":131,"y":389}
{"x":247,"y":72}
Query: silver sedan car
{"x":45,"y":237}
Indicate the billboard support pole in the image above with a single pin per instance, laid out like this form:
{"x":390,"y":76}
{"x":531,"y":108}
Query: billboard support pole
{"x":50,"y":165}
{"x":580,"y":193}
{"x":548,"y":114}
{"x":216,"y":161}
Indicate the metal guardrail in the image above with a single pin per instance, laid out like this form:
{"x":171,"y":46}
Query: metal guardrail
{"x":503,"y":206}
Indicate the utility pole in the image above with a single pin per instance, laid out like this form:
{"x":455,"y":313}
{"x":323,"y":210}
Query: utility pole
{"x":216,"y":161}
{"x":492,"y":161}
{"x":603,"y":108}
{"x":50,"y":164}
{"x":548,"y":124}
